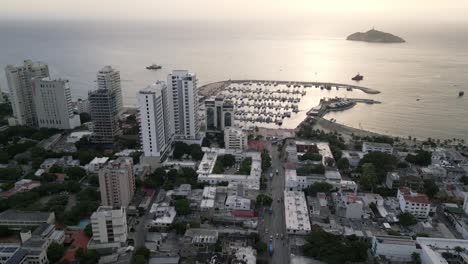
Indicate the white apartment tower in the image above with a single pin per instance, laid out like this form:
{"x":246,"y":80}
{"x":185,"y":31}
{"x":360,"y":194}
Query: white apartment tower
{"x":109,"y":225}
{"x":156,"y":120}
{"x":184,"y":91}
{"x":235,"y":138}
{"x":19,"y":80}
{"x":117,"y":182}
{"x":109,"y":78}
{"x":53,"y":104}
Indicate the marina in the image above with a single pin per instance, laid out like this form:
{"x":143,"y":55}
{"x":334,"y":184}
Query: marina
{"x":284,"y":103}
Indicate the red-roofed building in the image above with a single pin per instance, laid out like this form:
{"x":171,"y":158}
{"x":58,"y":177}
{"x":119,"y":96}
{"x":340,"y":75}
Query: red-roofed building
{"x":244,"y":213}
{"x":414,"y":203}
{"x":257,"y":145}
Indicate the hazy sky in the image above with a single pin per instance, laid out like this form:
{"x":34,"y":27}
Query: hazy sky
{"x":430,"y":10}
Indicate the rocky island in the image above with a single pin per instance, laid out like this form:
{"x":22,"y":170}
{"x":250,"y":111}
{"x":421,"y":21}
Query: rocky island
{"x":375,"y":36}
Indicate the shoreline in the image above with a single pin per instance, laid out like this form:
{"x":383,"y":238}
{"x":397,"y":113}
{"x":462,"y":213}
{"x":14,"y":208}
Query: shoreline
{"x":211,"y":89}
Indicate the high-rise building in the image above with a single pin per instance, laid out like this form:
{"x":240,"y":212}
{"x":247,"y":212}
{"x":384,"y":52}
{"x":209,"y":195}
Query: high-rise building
{"x":156,"y":120}
{"x":117,"y":182}
{"x":109,"y":78}
{"x":53,"y":104}
{"x":19,"y":80}
{"x":184,"y":91}
{"x":109,"y":225}
{"x":219,"y":113}
{"x":82,"y":106}
{"x":105,"y":104}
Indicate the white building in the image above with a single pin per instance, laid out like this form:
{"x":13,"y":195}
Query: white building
{"x":109,"y":225}
{"x":235,"y":138}
{"x":156,"y":121}
{"x":350,"y":205}
{"x":296,"y":213}
{"x":82,"y":106}
{"x":117,"y":182}
{"x":416,"y":204}
{"x":164,"y":215}
{"x":250,"y":182}
{"x":19,"y":80}
{"x":183,"y":88}
{"x":381,"y":147}
{"x":354,"y":157}
{"x":234,"y":202}
{"x":465,"y":202}
{"x":96,"y":164}
{"x":394,"y":248}
{"x":219,"y":113}
{"x":53,"y":104}
{"x":433,"y":248}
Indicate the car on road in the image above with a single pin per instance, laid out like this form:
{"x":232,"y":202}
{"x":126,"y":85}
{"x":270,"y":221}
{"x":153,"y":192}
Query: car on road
{"x":266,"y":230}
{"x":279,"y":200}
{"x":277,"y":235}
{"x":271,"y":237}
{"x":277,"y":171}
{"x":282,"y":236}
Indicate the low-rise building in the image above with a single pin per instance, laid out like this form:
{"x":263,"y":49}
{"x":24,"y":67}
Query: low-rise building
{"x":380,"y":147}
{"x":235,"y":138}
{"x":354,"y":157}
{"x":296,"y":213}
{"x":96,"y":164}
{"x":163,"y":215}
{"x":348,"y":205}
{"x":414,"y":203}
{"x":394,"y":248}
{"x":15,"y":219}
{"x":234,"y":202}
{"x":394,"y":181}
{"x":435,"y":250}
{"x":109,"y":227}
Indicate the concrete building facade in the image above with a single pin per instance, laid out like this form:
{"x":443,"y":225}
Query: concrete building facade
{"x":156,"y":121}
{"x":19,"y":80}
{"x":184,"y":91}
{"x":414,"y":203}
{"x":104,"y":111}
{"x":235,"y":138}
{"x":109,"y":78}
{"x":53,"y":104}
{"x":117,"y":182}
{"x":219,"y":113}
{"x":109,"y":225}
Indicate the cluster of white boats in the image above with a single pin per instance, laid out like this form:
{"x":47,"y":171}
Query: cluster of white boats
{"x":264,"y":104}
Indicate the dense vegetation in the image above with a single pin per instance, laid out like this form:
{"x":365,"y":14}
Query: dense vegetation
{"x":169,"y":178}
{"x":317,"y":187}
{"x":335,"y":249}
{"x":383,"y":163}
{"x":182,"y":150}
{"x":422,"y":158}
{"x":245,"y":166}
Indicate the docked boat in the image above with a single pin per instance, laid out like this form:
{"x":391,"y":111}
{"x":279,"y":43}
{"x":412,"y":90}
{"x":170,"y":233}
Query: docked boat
{"x":154,"y":67}
{"x":461,"y":93}
{"x":358,"y":78}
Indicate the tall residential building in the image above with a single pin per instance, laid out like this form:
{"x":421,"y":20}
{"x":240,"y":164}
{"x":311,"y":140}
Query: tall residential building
{"x":109,"y":78}
{"x":19,"y":80}
{"x":105,"y":104}
{"x":82,"y":106}
{"x":184,"y":91}
{"x":109,"y":225}
{"x":53,"y":104}
{"x":156,"y":120}
{"x":117,"y":182}
{"x":219,"y":113}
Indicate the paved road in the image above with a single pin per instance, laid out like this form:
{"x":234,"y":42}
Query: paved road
{"x":275,"y":223}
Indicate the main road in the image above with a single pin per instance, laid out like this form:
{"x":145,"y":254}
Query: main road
{"x":275,"y":223}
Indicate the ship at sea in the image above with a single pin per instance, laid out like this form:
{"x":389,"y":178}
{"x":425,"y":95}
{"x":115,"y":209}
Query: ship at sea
{"x":154,"y":67}
{"x":358,"y":77}
{"x":461,"y":93}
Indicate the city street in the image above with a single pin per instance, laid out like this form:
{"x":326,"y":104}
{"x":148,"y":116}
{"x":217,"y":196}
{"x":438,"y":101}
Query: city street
{"x":275,"y":223}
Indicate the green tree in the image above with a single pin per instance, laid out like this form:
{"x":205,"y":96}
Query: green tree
{"x":4,"y":157}
{"x":317,"y":187}
{"x":261,"y":247}
{"x":430,"y":188}
{"x":311,"y":155}
{"x":228,"y":160}
{"x":383,"y":163}
{"x":266,"y":160}
{"x":343,"y":164}
{"x":464,"y":179}
{"x":263,"y":199}
{"x":143,"y":251}
{"x":85,"y":118}
{"x":88,"y":230}
{"x":180,"y":149}
{"x":139,"y":259}
{"x":182,"y":207}
{"x":56,"y":169}
{"x":422,"y":158}
{"x":55,"y":252}
{"x":196,"y":152}
{"x":368,"y":178}
{"x":407,"y":219}
{"x":75,"y":172}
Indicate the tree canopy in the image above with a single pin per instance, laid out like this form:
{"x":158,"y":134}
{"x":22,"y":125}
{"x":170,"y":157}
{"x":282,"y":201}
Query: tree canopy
{"x":422,"y":158}
{"x":383,"y":163}
{"x":407,"y":219}
{"x":368,"y":179}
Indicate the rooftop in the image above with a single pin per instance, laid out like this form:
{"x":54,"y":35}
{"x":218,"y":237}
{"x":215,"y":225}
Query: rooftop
{"x":16,"y":215}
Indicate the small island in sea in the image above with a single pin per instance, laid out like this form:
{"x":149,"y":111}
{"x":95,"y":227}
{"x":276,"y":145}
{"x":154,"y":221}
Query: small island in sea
{"x":375,"y":36}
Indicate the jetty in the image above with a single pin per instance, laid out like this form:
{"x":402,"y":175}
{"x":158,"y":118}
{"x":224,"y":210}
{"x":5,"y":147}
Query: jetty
{"x":214,"y":88}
